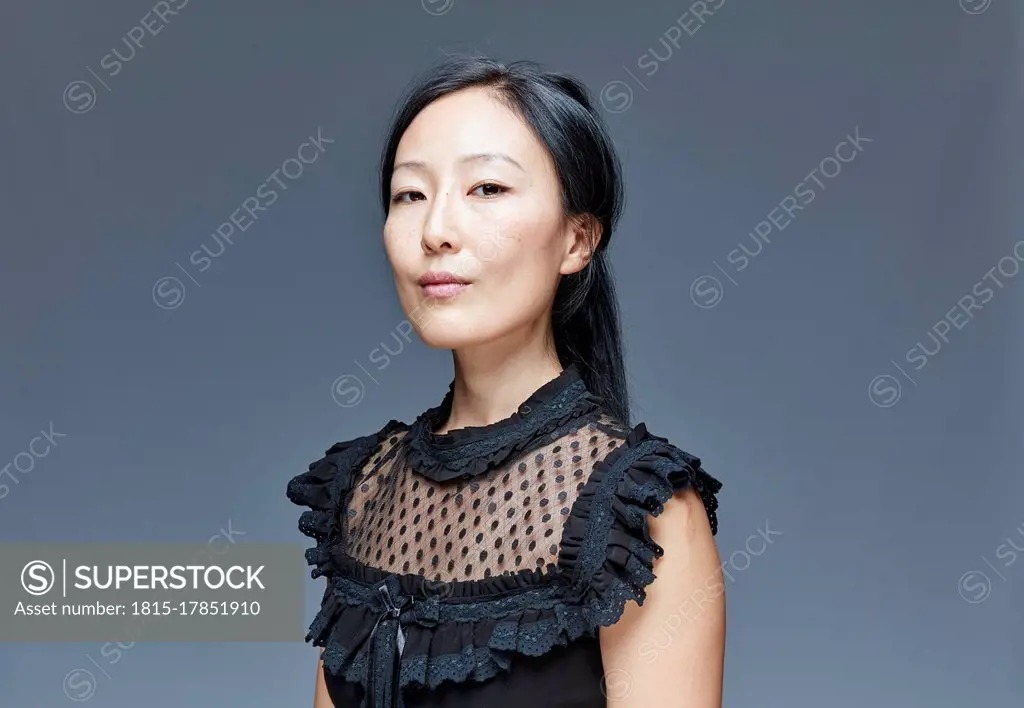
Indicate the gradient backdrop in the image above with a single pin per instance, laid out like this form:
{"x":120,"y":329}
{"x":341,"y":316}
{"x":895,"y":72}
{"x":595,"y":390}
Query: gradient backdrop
{"x":814,"y":374}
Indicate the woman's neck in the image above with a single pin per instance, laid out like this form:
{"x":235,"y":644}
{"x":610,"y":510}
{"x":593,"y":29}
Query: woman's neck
{"x":490,"y":386}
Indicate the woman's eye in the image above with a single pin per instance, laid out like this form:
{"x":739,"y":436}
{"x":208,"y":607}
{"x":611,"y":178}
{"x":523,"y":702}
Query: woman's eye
{"x":400,"y":197}
{"x":489,"y":189}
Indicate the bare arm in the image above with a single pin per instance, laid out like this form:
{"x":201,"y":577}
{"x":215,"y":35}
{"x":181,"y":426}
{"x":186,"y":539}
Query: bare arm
{"x":671,"y":651}
{"x":320,"y":697}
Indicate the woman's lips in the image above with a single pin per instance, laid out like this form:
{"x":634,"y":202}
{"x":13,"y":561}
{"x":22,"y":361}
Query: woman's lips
{"x":443,"y":290}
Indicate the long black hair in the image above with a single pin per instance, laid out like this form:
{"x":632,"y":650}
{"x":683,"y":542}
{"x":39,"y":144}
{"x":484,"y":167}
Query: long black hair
{"x":559,"y":109}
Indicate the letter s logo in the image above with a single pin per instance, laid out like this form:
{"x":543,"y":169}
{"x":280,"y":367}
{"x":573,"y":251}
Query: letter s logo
{"x":41,"y":575}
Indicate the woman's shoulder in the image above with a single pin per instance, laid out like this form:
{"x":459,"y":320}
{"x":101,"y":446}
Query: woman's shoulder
{"x":318,"y":486}
{"x":634,"y":481}
{"x":637,"y":458}
{"x":608,"y":549}
{"x":367,"y":441}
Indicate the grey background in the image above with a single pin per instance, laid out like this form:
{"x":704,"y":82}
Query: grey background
{"x":181,"y":420}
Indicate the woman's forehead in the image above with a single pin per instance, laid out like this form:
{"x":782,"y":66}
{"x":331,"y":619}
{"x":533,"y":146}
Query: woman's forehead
{"x":468,"y":126}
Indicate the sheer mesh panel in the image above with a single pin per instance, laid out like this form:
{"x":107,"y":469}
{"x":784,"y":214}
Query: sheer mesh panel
{"x":505,"y":520}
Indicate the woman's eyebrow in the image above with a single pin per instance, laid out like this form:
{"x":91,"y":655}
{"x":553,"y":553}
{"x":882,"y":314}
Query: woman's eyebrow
{"x":420,"y":166}
{"x":491,"y":157}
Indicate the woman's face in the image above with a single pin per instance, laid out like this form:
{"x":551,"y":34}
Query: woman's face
{"x":474,"y":194}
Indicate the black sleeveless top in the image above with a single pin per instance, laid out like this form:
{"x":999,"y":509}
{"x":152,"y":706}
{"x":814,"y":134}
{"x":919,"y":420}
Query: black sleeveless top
{"x":475,"y":567}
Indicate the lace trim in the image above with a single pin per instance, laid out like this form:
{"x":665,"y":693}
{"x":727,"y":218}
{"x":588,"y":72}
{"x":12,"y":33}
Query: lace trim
{"x":475,"y":456}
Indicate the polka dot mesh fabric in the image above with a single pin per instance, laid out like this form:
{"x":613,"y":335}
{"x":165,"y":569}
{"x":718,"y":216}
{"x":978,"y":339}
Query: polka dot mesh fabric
{"x":506,"y":520}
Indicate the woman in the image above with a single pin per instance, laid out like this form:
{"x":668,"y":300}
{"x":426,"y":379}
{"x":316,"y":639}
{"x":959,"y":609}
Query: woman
{"x":487,"y":553}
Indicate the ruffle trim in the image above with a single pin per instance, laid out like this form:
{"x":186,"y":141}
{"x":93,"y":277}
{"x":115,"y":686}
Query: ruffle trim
{"x":470,"y":630}
{"x":324,"y":486}
{"x":442,"y":463}
{"x":569,"y":376}
{"x":607,"y":545}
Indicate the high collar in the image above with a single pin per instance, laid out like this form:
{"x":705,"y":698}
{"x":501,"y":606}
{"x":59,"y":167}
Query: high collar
{"x":472,"y":450}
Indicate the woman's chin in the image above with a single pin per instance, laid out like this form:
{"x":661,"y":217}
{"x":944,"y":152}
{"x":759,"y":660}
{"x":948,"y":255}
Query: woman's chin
{"x":451,"y":341}
{"x":448,"y":333}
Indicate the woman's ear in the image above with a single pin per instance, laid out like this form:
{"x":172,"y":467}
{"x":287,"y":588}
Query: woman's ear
{"x":583,"y":234}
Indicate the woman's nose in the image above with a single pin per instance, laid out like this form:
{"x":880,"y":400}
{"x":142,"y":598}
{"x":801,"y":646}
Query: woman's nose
{"x":439,"y":232}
